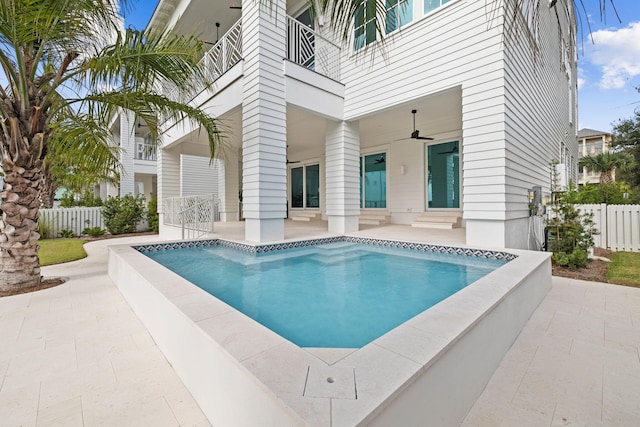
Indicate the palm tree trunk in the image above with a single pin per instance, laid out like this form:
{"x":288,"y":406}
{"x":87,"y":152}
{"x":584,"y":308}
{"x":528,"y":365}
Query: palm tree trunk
{"x":19,"y":263}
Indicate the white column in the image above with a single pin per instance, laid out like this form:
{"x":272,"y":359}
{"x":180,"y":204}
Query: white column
{"x":128,"y":145}
{"x":342,"y":172}
{"x":229,"y":186}
{"x":264,"y":120}
{"x":168,"y":164}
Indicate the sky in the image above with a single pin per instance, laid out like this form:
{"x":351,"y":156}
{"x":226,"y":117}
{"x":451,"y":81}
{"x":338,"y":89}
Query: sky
{"x":608,"y":67}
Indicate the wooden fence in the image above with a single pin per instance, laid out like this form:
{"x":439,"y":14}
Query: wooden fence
{"x":619,"y":226}
{"x":53,"y":221}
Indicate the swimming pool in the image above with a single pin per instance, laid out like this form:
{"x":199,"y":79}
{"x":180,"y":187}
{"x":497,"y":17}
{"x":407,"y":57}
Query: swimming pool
{"x":330,"y":295}
{"x":431,"y":367}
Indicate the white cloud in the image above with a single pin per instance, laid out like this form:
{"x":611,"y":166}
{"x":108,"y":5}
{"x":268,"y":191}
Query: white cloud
{"x":616,"y":53}
{"x":581,"y":78}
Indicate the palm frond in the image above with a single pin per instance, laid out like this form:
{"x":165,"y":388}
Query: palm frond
{"x":157,"y":111}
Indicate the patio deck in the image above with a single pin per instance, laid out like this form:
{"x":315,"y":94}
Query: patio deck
{"x":77,"y":355}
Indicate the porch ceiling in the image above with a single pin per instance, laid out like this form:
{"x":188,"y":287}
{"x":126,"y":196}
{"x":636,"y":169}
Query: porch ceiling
{"x":437,"y":114}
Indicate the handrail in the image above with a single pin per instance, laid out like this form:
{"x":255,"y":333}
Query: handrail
{"x":195,"y":215}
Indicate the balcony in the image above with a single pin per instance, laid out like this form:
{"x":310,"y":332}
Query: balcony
{"x":305,"y":47}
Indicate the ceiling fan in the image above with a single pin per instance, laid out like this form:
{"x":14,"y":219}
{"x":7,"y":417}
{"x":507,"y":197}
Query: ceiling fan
{"x":416,"y":133}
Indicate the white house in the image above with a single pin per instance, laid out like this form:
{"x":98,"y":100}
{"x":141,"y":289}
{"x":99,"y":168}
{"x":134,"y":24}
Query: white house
{"x":591,"y":143}
{"x":138,"y":157}
{"x":317,"y":126}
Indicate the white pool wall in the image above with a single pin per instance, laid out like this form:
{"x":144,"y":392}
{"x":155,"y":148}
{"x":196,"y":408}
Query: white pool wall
{"x":430,"y":369}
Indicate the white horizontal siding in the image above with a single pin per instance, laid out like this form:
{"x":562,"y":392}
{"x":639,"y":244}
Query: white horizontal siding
{"x":537,"y":110}
{"x":199,"y":176}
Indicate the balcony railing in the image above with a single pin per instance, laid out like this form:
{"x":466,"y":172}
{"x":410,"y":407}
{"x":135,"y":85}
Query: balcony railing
{"x":226,"y":53}
{"x":309,"y":49}
{"x":304,"y":47}
{"x":146,"y":151}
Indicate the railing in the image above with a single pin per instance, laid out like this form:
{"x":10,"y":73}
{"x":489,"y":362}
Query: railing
{"x":309,"y":49}
{"x":226,"y":53}
{"x":146,"y":151}
{"x":195,"y":215}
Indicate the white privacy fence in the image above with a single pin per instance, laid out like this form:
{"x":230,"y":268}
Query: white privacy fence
{"x":619,"y":226}
{"x":53,"y":221}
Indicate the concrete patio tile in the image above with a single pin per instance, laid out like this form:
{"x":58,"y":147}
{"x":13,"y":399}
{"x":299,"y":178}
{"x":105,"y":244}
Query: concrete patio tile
{"x":619,"y":336}
{"x":558,"y":377}
{"x":621,"y":390}
{"x":94,"y":350}
{"x":35,"y":366}
{"x":66,"y":413}
{"x":412,"y":343}
{"x":86,"y":379}
{"x":127,"y":411}
{"x":19,"y":406}
{"x":608,"y":355}
{"x":184,"y":407}
{"x":577,"y":326}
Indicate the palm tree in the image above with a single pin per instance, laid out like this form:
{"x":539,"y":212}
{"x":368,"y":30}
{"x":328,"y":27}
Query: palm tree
{"x":607,"y":163}
{"x":67,"y":62}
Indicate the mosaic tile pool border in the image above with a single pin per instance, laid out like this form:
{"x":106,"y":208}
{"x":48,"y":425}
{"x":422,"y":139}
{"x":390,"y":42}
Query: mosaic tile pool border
{"x":424,"y":247}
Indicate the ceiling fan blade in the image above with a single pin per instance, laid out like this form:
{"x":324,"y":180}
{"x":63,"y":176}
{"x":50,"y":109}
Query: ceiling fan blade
{"x":428,"y":138}
{"x":289,"y":162}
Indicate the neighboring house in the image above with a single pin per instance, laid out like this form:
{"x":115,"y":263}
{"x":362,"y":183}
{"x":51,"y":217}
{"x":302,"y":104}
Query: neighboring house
{"x":591,"y":143}
{"x":317,"y":127}
{"x":138,"y":158}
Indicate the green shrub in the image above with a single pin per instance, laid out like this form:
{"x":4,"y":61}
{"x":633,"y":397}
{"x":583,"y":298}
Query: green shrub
{"x":66,"y":233}
{"x":122,"y":214}
{"x":90,"y":200}
{"x":94,"y":231}
{"x":67,"y":200}
{"x":152,"y":214}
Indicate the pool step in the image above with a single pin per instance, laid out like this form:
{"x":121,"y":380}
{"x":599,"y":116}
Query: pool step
{"x":373,"y":218}
{"x":438,"y":220}
{"x":305,"y":216}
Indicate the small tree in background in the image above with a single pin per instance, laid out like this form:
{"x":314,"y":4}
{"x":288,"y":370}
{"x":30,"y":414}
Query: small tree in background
{"x":570,"y":232}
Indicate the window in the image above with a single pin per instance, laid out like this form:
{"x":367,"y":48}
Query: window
{"x":364,"y":24}
{"x":430,"y":5}
{"x":373,"y":181}
{"x":305,"y":186}
{"x":399,"y":13}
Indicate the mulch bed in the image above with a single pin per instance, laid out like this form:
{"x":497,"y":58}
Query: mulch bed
{"x":595,"y":271}
{"x":44,"y":284}
{"x":50,"y":282}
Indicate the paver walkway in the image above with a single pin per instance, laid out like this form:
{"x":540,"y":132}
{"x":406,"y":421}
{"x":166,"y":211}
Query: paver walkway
{"x":77,"y":355}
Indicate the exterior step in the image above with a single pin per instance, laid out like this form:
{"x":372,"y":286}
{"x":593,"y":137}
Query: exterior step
{"x":305,"y":216}
{"x":438,"y":220}
{"x":374,"y":218}
{"x":435,"y":225}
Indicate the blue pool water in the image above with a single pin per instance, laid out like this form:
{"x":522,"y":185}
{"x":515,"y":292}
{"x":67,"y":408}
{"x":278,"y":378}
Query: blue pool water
{"x":340,"y":295}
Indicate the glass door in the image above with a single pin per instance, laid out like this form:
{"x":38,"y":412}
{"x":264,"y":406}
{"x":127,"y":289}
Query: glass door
{"x":443,"y":175}
{"x":373,"y":181}
{"x":305,"y":186}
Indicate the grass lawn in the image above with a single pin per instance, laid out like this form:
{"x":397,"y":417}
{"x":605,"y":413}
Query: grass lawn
{"x":56,"y":251}
{"x":624,"y":268}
